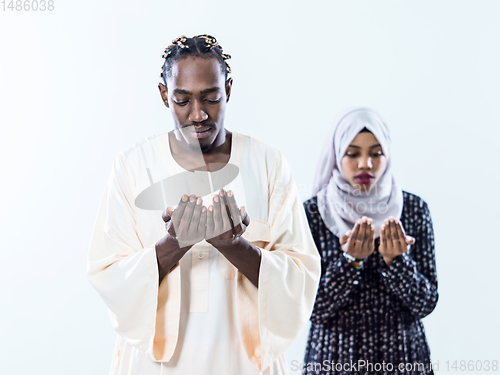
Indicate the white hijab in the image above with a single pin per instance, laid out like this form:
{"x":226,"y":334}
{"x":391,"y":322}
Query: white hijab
{"x":339,"y":203}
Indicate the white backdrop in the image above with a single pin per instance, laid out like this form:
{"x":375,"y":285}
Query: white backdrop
{"x":79,"y":83}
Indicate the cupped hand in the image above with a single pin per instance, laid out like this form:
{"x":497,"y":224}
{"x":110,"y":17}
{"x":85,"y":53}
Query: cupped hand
{"x":225,"y":221}
{"x":188,"y":221}
{"x":359,"y":242}
{"x":393,"y":240}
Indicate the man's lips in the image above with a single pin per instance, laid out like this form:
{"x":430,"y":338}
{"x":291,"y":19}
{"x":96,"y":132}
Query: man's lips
{"x":199,"y":131}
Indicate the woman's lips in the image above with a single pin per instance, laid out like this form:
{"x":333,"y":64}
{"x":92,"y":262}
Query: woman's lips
{"x":364,"y":179}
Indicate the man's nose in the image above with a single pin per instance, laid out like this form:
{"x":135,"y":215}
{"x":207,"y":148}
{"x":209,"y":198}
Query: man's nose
{"x":197,"y":113}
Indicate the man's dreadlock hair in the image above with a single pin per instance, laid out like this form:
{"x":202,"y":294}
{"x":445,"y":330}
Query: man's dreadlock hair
{"x":204,"y":46}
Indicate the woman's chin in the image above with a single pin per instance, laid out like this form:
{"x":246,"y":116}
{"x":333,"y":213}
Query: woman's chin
{"x":362,"y":187}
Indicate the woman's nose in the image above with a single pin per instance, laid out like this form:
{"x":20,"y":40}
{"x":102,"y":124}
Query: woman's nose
{"x":365,"y":163}
{"x":197,"y":114}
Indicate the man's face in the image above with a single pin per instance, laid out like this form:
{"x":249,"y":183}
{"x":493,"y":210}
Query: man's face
{"x":197,"y":94}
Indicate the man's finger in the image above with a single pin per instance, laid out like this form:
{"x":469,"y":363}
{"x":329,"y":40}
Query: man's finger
{"x":202,"y":225}
{"x":188,"y":211}
{"x":234,"y":211}
{"x":245,"y":217}
{"x":179,"y":211}
{"x":195,"y":218}
{"x":226,"y":215}
{"x":218,"y":223}
{"x":166,"y":215}
{"x":209,"y":233}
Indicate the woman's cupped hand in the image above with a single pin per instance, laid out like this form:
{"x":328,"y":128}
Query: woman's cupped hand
{"x":359,"y":242}
{"x":393,"y":240}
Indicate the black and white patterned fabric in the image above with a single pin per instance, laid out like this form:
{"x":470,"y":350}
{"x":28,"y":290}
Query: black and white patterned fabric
{"x":373,"y":314}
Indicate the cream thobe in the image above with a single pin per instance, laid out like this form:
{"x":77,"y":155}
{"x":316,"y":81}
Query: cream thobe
{"x":205,"y":317}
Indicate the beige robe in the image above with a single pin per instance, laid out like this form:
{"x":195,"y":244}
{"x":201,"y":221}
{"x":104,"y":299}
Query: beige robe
{"x":149,"y":320}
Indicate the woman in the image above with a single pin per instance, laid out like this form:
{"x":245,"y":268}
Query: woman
{"x":378,"y":266}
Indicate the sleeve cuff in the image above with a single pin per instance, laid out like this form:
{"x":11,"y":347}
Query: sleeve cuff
{"x":402,"y":268}
{"x":346,"y":273}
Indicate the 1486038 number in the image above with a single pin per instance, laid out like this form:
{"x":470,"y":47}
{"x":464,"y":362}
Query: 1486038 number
{"x":472,"y":365}
{"x":28,"y":5}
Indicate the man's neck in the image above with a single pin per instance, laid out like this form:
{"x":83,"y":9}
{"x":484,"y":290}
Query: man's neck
{"x":195,"y":159}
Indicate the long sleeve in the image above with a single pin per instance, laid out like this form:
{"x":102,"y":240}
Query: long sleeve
{"x":338,"y":278}
{"x":123,"y":269}
{"x":412,"y":276}
{"x":289,"y":272}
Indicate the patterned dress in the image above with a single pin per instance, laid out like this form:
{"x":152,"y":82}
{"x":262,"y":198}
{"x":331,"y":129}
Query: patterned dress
{"x":368,"y":321}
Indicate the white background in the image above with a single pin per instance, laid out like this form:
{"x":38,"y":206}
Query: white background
{"x":79,"y":83}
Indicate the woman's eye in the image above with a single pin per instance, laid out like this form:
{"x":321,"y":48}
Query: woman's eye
{"x":352,"y":155}
{"x":377,"y":154}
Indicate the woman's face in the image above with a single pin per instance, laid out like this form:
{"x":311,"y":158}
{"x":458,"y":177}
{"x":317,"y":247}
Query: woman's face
{"x":364,"y":161}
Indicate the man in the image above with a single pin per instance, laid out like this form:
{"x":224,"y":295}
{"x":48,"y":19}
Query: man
{"x":223,"y":289}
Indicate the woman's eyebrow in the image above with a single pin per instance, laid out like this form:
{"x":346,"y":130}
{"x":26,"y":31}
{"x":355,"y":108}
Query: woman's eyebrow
{"x":377,"y":145}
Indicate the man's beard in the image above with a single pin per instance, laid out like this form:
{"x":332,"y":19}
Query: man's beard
{"x":200,"y":147}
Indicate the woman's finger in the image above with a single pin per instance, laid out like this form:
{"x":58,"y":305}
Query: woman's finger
{"x":383,"y":235}
{"x":368,"y":244}
{"x":394,"y":230}
{"x":368,"y":230}
{"x":363,"y":230}
{"x":401,"y":235}
{"x":345,"y":237}
{"x":354,"y":237}
{"x":410,"y":240}
{"x":387,"y":231}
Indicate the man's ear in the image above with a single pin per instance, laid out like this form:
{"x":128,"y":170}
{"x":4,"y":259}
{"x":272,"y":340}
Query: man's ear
{"x":229,"y":85}
{"x":163,"y":94}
